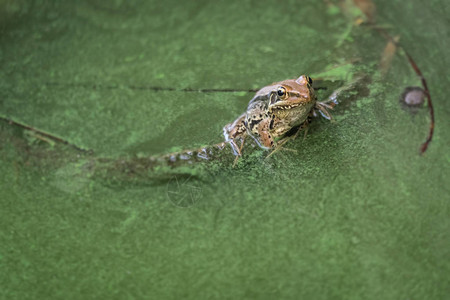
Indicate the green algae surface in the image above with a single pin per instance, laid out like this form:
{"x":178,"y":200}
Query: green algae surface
{"x":350,"y":212}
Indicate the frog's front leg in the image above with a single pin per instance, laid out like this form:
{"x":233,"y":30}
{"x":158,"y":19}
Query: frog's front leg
{"x":235,"y":132}
{"x":262,"y":135}
{"x":284,"y":140}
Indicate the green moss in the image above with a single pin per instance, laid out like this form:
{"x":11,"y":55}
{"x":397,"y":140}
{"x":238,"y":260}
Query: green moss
{"x":349,"y":212}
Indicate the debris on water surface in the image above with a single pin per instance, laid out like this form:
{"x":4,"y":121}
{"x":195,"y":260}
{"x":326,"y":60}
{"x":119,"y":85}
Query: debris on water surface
{"x":412,"y":99}
{"x":388,"y":55}
{"x":368,"y":8}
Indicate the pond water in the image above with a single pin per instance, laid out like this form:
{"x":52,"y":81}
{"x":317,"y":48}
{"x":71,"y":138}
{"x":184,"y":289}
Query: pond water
{"x":352,"y":211}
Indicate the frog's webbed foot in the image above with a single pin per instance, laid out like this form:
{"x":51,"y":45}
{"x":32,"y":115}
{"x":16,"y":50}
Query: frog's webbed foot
{"x":323,"y":108}
{"x":237,"y":150}
{"x":235,"y":132}
{"x":240,"y":150}
{"x":337,"y":96}
{"x":279,"y":147}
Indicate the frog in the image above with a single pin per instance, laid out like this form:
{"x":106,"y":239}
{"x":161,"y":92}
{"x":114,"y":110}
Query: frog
{"x":274,"y":111}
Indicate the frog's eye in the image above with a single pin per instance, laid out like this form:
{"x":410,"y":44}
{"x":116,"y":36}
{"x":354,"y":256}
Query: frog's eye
{"x":309,"y":80}
{"x":281,"y":92}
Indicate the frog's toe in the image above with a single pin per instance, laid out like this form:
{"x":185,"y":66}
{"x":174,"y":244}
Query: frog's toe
{"x":322,"y":108}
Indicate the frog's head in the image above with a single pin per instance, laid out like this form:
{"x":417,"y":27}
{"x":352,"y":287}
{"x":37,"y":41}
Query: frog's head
{"x":290,"y":94}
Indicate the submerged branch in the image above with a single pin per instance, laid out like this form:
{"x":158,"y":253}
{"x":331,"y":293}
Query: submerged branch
{"x":418,"y":72}
{"x":46,"y":135}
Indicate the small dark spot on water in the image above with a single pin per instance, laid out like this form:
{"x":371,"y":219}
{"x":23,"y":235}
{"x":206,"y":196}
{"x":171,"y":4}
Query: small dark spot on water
{"x":412,"y":99}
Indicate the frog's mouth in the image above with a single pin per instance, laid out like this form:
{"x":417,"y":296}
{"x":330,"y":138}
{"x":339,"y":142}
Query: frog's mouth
{"x":285,"y":106}
{"x":277,"y":103}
